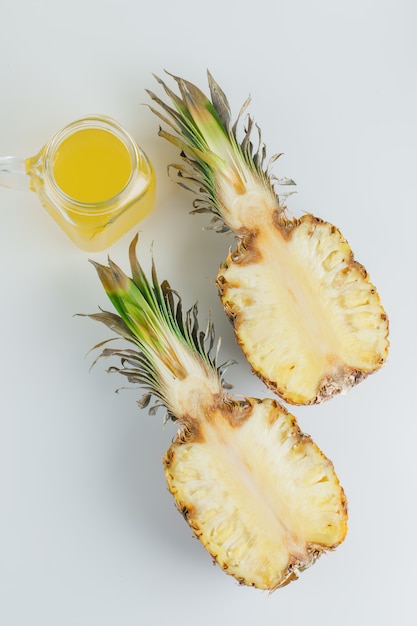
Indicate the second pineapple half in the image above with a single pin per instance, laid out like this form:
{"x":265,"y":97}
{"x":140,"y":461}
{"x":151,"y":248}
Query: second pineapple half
{"x":258,"y":493}
{"x":304,"y":311}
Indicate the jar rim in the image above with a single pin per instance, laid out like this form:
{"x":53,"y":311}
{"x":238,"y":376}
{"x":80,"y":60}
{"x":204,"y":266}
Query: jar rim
{"x":101,"y":122}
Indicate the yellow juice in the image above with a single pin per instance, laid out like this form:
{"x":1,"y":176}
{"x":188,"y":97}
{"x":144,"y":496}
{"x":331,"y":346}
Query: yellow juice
{"x":94,"y":181}
{"x":92,"y":165}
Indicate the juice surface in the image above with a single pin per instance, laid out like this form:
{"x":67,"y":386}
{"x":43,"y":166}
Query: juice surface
{"x":92,"y":165}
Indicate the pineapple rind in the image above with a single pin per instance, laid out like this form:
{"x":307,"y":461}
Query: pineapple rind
{"x":305,"y":313}
{"x":259,"y":494}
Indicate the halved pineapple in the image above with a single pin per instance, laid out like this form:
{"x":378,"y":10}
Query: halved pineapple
{"x":305,"y":313}
{"x":258,"y":493}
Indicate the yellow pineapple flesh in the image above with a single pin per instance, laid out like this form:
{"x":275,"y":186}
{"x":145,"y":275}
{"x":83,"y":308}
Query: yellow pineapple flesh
{"x":316,"y":329}
{"x":305,"y":313}
{"x":259,"y":494}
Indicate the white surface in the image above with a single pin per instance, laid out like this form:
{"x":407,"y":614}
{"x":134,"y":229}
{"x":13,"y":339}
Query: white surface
{"x":88,"y":532}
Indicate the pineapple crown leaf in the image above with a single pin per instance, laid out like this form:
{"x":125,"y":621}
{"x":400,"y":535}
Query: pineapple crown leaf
{"x":209,"y":143}
{"x":150,"y":315}
{"x":188,"y":110}
{"x":220,"y":101}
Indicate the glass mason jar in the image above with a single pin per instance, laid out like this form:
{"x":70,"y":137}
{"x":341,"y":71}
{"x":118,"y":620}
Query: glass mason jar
{"x":92,"y":178}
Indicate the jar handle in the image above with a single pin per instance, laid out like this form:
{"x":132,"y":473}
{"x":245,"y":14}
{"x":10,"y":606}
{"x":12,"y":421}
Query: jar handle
{"x":14,"y":173}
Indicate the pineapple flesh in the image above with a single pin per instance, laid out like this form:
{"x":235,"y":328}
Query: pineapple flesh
{"x":259,"y":494}
{"x":305,"y":312}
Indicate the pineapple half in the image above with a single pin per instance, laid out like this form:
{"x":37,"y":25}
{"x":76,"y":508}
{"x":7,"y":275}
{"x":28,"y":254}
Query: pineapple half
{"x":305,"y":313}
{"x":258,"y":493}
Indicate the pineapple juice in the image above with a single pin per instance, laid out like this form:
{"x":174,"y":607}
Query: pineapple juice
{"x":92,"y":165}
{"x":94,"y":181}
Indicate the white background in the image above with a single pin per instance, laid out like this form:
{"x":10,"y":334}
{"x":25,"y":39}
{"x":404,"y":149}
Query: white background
{"x":88,"y":531}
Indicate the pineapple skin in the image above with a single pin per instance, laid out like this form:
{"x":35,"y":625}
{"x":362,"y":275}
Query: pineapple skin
{"x":305,"y":313}
{"x":258,"y":493}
